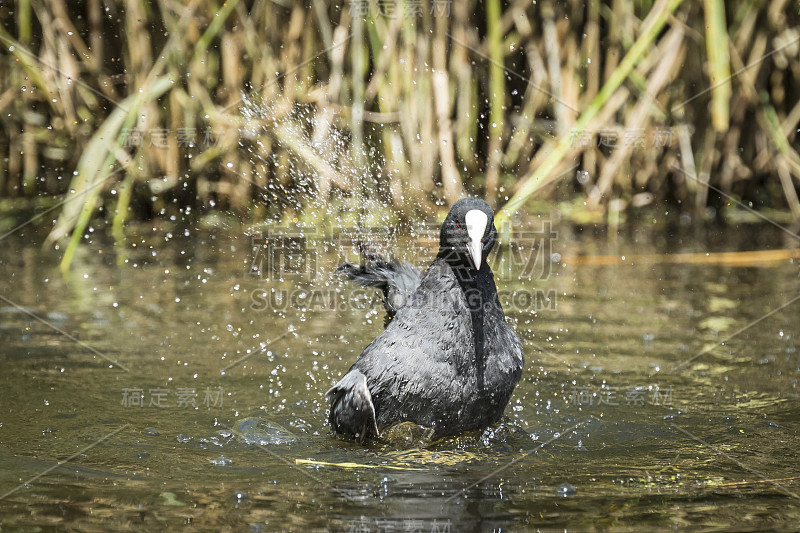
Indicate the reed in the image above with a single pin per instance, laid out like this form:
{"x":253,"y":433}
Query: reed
{"x":307,"y":110}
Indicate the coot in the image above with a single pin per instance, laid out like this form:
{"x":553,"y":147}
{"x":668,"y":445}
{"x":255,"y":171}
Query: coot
{"x":447,"y":359}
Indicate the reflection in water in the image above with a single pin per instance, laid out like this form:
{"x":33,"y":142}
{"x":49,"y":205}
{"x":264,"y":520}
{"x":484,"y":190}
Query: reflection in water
{"x":228,"y":357}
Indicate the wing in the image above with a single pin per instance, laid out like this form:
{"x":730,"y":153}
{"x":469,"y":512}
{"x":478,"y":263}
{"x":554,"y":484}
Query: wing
{"x":398,"y":280}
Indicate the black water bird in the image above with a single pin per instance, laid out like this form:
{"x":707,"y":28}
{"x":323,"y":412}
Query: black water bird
{"x":447,"y":360}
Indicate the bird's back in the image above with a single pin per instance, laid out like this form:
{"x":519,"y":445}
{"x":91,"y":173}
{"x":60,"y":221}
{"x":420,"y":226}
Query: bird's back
{"x":422,"y":367}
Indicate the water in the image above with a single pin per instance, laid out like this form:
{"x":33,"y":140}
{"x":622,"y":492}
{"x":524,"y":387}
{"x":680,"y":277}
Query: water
{"x":175,"y":391}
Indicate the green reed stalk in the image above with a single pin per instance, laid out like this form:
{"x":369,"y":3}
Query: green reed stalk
{"x":497,"y":96}
{"x":24,"y":21}
{"x":217,"y":23}
{"x":95,"y":166}
{"x":718,"y":63}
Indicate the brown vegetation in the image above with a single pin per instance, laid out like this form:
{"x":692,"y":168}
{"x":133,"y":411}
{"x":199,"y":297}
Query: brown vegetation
{"x":265,"y":107}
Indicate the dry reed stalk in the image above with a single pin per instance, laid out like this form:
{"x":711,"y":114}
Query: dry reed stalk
{"x":466,"y":106}
{"x":670,"y":54}
{"x":650,"y":29}
{"x":520,"y":146}
{"x":456,"y":112}
{"x":452,"y":185}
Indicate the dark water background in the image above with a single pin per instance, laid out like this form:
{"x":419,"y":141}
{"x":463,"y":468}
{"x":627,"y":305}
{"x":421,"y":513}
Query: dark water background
{"x":602,"y":431}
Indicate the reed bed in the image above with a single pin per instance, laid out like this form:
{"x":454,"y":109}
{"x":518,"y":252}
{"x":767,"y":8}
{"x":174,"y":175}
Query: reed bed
{"x":138,"y":110}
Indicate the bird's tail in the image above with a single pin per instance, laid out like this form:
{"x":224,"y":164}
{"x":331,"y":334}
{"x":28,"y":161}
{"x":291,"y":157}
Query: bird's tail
{"x":352,"y":412}
{"x":397,"y":280}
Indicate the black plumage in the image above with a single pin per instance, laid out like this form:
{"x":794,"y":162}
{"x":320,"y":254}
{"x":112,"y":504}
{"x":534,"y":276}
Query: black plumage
{"x":397,"y":280}
{"x":447,"y":360}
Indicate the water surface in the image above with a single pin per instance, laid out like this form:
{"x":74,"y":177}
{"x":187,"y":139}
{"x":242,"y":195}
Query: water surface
{"x":186,"y":386}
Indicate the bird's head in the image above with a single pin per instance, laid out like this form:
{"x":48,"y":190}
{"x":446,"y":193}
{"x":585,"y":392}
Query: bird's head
{"x":468,"y":233}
